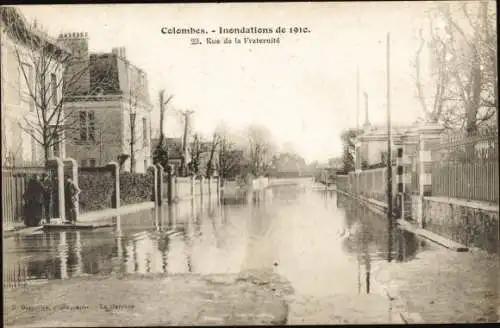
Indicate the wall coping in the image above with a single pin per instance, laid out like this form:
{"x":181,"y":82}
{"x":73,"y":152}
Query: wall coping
{"x":467,"y":203}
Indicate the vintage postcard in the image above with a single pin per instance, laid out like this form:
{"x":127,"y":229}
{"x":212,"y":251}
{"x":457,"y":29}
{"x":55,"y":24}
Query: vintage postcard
{"x":250,"y":163}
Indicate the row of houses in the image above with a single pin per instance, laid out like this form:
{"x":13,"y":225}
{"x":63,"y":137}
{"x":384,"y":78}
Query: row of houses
{"x":99,"y":109}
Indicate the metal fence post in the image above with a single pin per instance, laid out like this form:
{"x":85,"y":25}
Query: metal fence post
{"x":155,"y":184}
{"x":159,"y":184}
{"x":115,"y":171}
{"x":170,"y":181}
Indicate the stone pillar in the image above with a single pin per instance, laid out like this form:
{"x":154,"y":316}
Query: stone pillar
{"x":170,"y":181}
{"x":159,"y":184}
{"x":357,"y":156}
{"x":218,"y":187}
{"x":400,"y":188}
{"x":115,"y":171}
{"x":175,"y":187}
{"x":202,"y":181}
{"x":429,"y":136}
{"x":72,"y":170}
{"x":58,"y":167}
{"x":155,"y":184}
{"x":192,"y":182}
{"x":410,"y":177}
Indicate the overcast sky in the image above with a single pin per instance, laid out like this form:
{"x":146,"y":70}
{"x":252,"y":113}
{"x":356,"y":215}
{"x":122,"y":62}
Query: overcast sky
{"x":303,"y":90}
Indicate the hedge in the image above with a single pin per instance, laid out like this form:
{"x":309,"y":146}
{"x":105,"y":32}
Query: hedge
{"x":136,"y":187}
{"x":96,"y":190}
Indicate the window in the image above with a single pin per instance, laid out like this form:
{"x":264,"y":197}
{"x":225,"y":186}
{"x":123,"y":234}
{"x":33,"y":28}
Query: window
{"x":83,"y":163}
{"x":144,"y":132}
{"x":56,"y":147}
{"x":87,"y":126}
{"x":53,"y":85}
{"x":26,"y":87}
{"x":92,"y":162}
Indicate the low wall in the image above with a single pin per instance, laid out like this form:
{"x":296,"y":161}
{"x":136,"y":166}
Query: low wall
{"x":136,"y":187}
{"x":97,"y":186}
{"x":470,"y":223}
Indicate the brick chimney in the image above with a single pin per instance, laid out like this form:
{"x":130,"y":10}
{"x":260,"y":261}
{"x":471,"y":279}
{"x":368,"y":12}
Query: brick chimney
{"x":78,"y":44}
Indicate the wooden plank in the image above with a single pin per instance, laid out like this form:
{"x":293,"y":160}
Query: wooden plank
{"x":76,"y":226}
{"x":450,"y":244}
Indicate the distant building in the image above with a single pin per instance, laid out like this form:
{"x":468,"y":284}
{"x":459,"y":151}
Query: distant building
{"x":18,"y":146}
{"x":371,"y":145}
{"x":112,"y":108}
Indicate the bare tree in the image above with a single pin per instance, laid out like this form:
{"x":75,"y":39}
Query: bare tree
{"x":464,"y":53}
{"x":137,"y":102}
{"x":195,"y":151}
{"x":160,"y":154}
{"x":211,"y":159}
{"x":50,"y":76}
{"x":260,"y":148}
{"x":186,"y":114}
{"x":229,"y":161}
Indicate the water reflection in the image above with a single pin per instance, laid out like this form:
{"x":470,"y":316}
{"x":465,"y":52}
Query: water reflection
{"x":321,"y":242}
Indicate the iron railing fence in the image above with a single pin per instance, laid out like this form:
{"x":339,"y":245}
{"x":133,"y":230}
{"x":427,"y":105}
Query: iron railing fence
{"x":466,"y":166}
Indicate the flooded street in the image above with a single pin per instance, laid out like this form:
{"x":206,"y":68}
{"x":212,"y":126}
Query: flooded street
{"x":321,"y":244}
{"x":332,"y":251}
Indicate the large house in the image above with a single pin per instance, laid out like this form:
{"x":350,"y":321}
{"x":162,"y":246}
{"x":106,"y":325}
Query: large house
{"x":22,"y":45}
{"x":111,"y":109}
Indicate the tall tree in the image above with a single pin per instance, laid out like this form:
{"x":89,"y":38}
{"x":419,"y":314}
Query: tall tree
{"x":186,"y":114}
{"x":261,"y":148}
{"x":195,"y":154}
{"x":211,"y":159}
{"x":46,"y":80}
{"x":348,"y":138}
{"x":160,"y":153}
{"x":463,"y":52}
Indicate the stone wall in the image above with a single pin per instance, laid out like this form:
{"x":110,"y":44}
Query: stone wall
{"x":470,"y":223}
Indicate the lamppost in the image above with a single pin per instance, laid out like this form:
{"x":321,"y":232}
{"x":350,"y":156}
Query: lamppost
{"x":133,"y":115}
{"x":389,"y":150}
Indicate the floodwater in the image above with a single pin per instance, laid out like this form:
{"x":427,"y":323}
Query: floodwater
{"x":323,"y":244}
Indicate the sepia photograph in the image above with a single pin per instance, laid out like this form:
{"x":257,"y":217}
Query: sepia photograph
{"x":284,"y":163}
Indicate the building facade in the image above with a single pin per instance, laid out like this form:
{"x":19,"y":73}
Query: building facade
{"x":111,"y":109}
{"x":22,"y":45}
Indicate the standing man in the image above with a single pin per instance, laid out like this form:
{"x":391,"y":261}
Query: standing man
{"x":33,"y":202}
{"x":47,"y":197}
{"x":71,"y":190}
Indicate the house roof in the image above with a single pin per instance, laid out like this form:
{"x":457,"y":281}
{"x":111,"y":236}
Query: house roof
{"x":18,"y":27}
{"x":112,"y":74}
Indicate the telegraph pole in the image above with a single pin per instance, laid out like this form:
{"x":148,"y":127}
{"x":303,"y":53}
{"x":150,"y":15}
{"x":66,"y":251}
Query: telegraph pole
{"x":389,"y":150}
{"x":357,"y":98}
{"x":186,"y":115}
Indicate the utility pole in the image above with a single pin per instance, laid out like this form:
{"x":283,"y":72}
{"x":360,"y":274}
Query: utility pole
{"x":186,"y":114}
{"x":389,"y":150}
{"x":357,"y":98}
{"x":162,"y":113}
